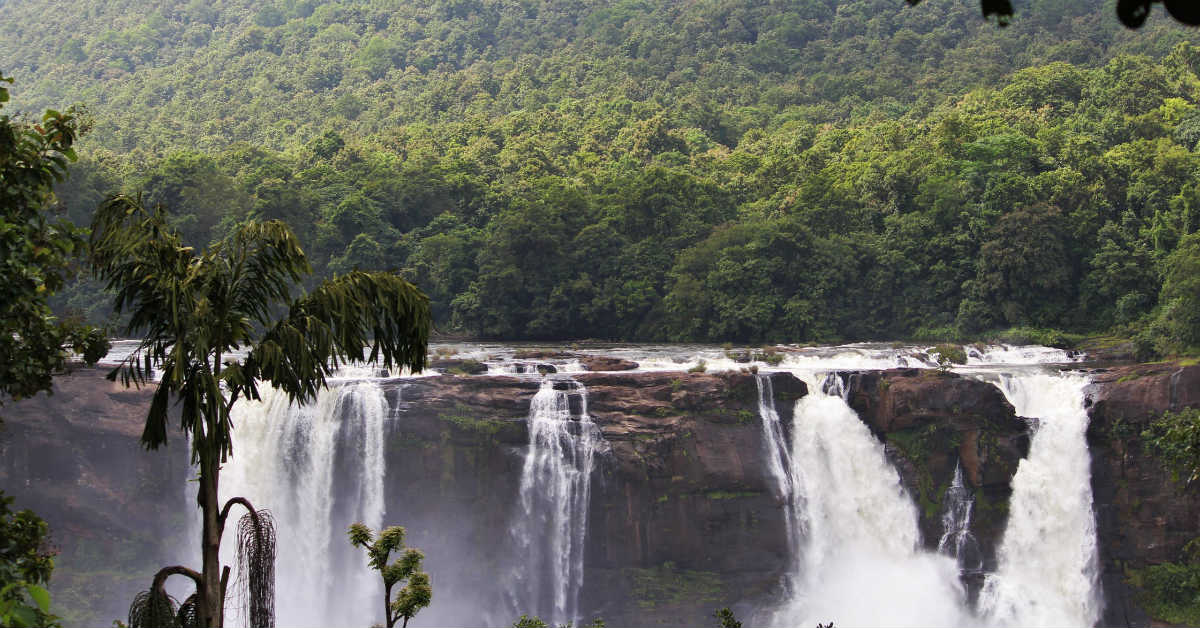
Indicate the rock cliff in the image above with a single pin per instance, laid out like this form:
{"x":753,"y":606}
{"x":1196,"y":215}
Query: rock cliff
{"x":116,"y":512}
{"x":1144,"y":516}
{"x":683,"y":516}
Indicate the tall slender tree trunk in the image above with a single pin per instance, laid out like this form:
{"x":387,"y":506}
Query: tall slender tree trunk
{"x":212,"y":602}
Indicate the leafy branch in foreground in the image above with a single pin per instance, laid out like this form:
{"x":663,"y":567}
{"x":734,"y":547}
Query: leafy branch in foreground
{"x":193,"y":310}
{"x":417,"y":592}
{"x":36,"y":253}
{"x":25,"y":566}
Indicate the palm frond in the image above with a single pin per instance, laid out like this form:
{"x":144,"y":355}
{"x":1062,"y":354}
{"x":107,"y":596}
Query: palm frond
{"x":189,"y":612}
{"x":357,"y":317}
{"x":266,"y":259}
{"x":256,"y":567}
{"x":142,"y":259}
{"x":153,"y":609}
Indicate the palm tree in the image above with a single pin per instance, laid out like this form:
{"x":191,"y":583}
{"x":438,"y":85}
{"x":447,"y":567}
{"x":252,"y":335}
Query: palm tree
{"x":191,"y":311}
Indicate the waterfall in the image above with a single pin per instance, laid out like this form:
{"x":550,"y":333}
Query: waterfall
{"x":957,"y":540}
{"x":550,"y":526}
{"x":1048,"y":562}
{"x":285,"y":461}
{"x":859,"y":560}
{"x":778,"y":455}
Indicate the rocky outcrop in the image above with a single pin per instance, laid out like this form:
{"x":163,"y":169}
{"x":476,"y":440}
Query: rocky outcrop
{"x":683,"y":475}
{"x":1143,"y":515}
{"x":457,"y":366}
{"x":605,"y":363}
{"x":686,"y":476}
{"x":116,"y":513}
{"x":931,"y":421}
{"x":683,"y":518}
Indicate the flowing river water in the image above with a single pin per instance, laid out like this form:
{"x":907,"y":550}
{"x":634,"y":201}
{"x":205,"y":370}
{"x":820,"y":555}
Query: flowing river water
{"x":852,"y":527}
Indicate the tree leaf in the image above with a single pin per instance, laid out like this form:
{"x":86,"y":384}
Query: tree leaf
{"x":40,"y":596}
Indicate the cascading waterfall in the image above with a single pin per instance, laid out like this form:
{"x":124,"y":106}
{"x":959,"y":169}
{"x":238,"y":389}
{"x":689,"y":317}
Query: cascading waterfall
{"x":1048,"y":561}
{"x":859,"y":560}
{"x":858,"y":557}
{"x":550,"y":528}
{"x":957,"y":540}
{"x":778,"y":454}
{"x":285,"y":462}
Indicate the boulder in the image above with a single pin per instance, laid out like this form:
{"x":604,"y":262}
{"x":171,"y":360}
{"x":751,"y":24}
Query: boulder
{"x":457,"y":366}
{"x":605,"y":363}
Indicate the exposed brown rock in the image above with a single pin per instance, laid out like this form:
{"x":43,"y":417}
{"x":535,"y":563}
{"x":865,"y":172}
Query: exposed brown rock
{"x":606,"y":363}
{"x":113,"y":509}
{"x":454,"y":365}
{"x":930,"y":421}
{"x":684,"y":474}
{"x":1143,"y":515}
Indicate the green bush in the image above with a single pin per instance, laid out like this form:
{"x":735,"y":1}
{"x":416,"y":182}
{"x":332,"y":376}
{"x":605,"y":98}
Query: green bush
{"x":1173,"y":583}
{"x":948,"y":354}
{"x":1175,"y":439}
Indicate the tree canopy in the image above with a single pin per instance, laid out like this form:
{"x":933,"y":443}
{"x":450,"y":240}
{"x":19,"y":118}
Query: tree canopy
{"x":36,"y":253}
{"x":607,"y":170}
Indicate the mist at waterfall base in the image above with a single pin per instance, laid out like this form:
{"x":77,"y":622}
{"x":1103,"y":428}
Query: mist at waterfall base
{"x":321,"y":467}
{"x":859,"y":557}
{"x":856,"y":551}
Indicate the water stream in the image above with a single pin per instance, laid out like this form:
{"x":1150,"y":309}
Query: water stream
{"x":286,"y":460}
{"x":549,"y":530}
{"x":859,"y":561}
{"x":1048,"y":561}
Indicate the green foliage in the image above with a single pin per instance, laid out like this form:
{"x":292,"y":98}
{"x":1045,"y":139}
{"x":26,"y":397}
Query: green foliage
{"x":1175,"y":439}
{"x":25,"y":566}
{"x":731,"y":494}
{"x":1180,"y":315}
{"x":917,"y":445}
{"x":663,"y":171}
{"x":666,"y":585}
{"x":1170,"y":592}
{"x":727,"y":618}
{"x":1037,"y":336}
{"x":36,"y":253}
{"x":536,"y":622}
{"x":463,"y":419}
{"x":949,"y":354}
{"x":417,"y":592}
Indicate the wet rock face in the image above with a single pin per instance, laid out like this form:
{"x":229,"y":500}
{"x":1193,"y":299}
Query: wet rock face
{"x":684,"y":503}
{"x":115,"y":511}
{"x":682,"y":520}
{"x":1143,"y":516}
{"x":931,"y":421}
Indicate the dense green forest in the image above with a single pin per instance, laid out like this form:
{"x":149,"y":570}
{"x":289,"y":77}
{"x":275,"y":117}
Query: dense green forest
{"x":720,"y":170}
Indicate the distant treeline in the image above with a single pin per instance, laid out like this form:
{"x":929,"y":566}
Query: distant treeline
{"x":720,"y":170}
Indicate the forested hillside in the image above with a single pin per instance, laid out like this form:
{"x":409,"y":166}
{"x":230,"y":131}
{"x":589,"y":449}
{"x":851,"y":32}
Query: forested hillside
{"x":713,"y":170}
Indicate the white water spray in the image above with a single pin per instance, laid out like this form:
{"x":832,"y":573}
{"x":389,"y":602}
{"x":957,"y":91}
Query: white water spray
{"x":1048,"y":560}
{"x":859,"y":562}
{"x":551,"y":524}
{"x":778,"y":455}
{"x":285,"y":462}
{"x":957,"y":540}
